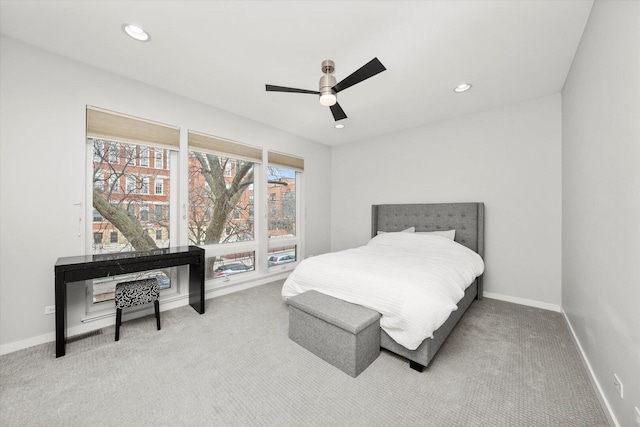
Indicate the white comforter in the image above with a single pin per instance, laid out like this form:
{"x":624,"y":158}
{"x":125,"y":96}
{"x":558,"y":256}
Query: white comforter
{"x":413,"y":280}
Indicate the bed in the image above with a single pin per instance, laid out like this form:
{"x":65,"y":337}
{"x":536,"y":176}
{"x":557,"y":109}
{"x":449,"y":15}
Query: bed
{"x":413,"y":327}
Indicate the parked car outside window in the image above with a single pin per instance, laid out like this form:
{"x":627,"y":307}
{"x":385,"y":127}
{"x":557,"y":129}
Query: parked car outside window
{"x":281,"y":259}
{"x":234,"y":268}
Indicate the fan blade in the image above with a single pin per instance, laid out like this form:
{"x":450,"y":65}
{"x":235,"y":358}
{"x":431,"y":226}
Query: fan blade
{"x":272,"y":88}
{"x":369,"y":69}
{"x":338,"y":112}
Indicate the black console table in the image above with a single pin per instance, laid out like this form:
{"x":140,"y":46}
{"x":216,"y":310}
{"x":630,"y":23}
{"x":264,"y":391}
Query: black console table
{"x":78,"y":268}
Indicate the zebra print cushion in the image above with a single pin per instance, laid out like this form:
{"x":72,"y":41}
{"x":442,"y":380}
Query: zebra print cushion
{"x":136,"y":292}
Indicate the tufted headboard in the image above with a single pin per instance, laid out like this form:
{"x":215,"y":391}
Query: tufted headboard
{"x":466,"y":218}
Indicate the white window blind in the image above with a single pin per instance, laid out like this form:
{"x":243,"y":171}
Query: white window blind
{"x":286,"y":160}
{"x":224,"y":147}
{"x":112,"y":126}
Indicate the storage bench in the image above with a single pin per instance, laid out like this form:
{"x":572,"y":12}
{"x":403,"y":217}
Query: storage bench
{"x":344,"y":334}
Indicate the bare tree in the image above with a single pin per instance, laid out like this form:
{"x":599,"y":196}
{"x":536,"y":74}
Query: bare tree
{"x":120,"y":185}
{"x":216,"y":188}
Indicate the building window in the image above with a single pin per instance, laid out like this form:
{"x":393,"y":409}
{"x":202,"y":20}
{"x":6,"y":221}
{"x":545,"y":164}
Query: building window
{"x":157,"y":213}
{"x":131,"y":184}
{"x":158,"y":234}
{"x":144,"y":156}
{"x":98,"y":181}
{"x":144,"y":185}
{"x":131,"y":154}
{"x":158,"y":158}
{"x":114,"y":152}
{"x":98,"y":150}
{"x":114,"y":183}
{"x":144,"y":213}
{"x":113,"y":237}
{"x":159,"y":186}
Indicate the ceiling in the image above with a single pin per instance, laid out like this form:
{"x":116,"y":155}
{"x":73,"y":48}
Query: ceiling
{"x":222,"y":53}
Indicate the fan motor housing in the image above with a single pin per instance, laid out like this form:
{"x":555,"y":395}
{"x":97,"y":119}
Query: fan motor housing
{"x":328,"y":66}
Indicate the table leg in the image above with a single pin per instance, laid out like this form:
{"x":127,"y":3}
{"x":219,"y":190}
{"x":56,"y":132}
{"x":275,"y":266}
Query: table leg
{"x":61,"y":301}
{"x":196,"y":285}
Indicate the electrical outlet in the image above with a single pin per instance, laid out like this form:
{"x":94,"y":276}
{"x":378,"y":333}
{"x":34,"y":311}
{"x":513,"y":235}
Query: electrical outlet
{"x":637,"y":416}
{"x":50,"y":309}
{"x":618,"y":385}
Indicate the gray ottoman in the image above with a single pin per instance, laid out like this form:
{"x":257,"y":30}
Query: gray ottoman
{"x":343,"y":334}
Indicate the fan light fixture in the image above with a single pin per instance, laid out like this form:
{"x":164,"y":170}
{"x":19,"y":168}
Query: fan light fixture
{"x":328,"y":99}
{"x":136,"y":32}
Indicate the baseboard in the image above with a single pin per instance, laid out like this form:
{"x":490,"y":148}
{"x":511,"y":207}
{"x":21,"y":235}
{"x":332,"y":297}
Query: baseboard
{"x":594,"y":381}
{"x":523,"y":301}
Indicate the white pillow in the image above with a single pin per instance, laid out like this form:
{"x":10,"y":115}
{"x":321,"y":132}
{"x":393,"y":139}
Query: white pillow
{"x":408,"y":230}
{"x":449,"y":234}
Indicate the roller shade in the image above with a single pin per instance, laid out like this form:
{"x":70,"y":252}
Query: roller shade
{"x":224,"y":147}
{"x":286,"y":160}
{"x":104,"y":124}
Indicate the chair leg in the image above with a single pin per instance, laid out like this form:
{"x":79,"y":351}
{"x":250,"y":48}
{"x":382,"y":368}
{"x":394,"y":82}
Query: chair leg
{"x":118,"y":322}
{"x":156,"y":306}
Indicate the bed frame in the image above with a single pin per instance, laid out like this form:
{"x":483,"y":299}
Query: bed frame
{"x":468,"y":221}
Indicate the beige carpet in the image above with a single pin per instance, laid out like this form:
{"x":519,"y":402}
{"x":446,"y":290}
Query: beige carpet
{"x":504,"y":365}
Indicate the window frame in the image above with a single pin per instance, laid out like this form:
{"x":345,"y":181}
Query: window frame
{"x":103,"y":125}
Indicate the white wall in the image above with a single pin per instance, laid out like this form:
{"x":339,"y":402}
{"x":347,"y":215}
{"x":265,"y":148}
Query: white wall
{"x":508,"y":158}
{"x":42,"y":171}
{"x":601,"y":200}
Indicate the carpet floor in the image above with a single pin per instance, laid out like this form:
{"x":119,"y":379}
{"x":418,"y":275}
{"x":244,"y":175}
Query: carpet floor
{"x":503,"y":365}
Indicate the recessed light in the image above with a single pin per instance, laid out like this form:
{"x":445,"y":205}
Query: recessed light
{"x":136,"y":32}
{"x":462,"y":87}
{"x":339,"y":126}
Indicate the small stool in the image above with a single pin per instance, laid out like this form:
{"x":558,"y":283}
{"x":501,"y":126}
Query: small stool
{"x":136,"y":292}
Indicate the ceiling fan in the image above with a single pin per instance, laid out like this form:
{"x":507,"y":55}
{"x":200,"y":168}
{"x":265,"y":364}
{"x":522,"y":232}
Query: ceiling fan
{"x":329,"y":88}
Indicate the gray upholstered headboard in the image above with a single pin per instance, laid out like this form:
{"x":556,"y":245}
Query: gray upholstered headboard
{"x":466,"y":218}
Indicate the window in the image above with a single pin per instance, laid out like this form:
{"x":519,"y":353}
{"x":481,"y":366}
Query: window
{"x":98,"y":150}
{"x":158,"y":212}
{"x":114,"y":152}
{"x":243,"y":203}
{"x":221,"y":193}
{"x":144,"y":185}
{"x":282,"y":202}
{"x":131,"y":153}
{"x":131,"y":184}
{"x":229,"y":265}
{"x":284,"y":173}
{"x":144,"y":156}
{"x":220,"y":190}
{"x":98,"y":181}
{"x":114,"y":183}
{"x":125,"y":215}
{"x":158,"y":158}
